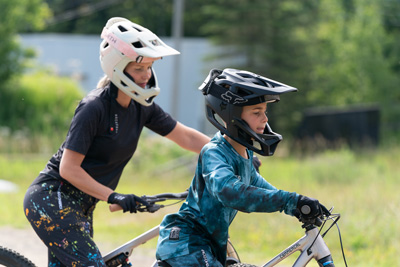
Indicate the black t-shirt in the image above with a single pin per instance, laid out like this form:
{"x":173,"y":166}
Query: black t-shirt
{"x":107,"y":152}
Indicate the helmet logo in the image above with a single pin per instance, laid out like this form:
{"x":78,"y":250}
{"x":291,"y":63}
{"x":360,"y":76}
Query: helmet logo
{"x":111,"y":38}
{"x":233,"y":98}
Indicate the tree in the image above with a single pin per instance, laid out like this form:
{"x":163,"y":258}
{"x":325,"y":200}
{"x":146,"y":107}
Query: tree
{"x":355,"y":62}
{"x":273,"y":37}
{"x":15,"y":16}
{"x":334,"y":52}
{"x":89,"y":17}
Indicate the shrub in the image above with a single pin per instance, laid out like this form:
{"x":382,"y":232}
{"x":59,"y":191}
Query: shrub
{"x":38,"y":105}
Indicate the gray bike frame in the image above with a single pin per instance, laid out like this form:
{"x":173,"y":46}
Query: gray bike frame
{"x":128,"y":247}
{"x":318,"y":250}
{"x":311,"y":246}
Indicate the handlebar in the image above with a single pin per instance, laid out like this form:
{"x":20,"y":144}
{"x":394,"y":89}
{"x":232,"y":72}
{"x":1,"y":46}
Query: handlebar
{"x":152,"y":200}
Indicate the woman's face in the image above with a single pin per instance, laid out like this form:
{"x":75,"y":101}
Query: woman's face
{"x":256,"y":117}
{"x":140,"y":72}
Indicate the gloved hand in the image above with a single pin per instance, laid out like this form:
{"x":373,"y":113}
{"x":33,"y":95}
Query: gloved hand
{"x":256,"y":163}
{"x":310,"y":208}
{"x":127,"y":202}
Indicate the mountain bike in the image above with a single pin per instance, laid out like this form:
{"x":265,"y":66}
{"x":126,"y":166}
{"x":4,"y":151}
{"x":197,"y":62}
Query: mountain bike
{"x":310,"y":246}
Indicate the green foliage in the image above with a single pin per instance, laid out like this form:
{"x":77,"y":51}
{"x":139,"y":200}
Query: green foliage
{"x":39,"y":104}
{"x":15,"y":16}
{"x":273,"y":37}
{"x":336,"y":53}
{"x":356,"y":58}
{"x":89,"y":17}
{"x":352,"y":45}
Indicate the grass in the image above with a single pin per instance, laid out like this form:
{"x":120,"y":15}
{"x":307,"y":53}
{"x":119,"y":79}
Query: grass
{"x":361,"y":185}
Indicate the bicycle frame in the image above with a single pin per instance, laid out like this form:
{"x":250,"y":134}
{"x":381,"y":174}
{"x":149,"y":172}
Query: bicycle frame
{"x":128,"y":247}
{"x":309,"y":249}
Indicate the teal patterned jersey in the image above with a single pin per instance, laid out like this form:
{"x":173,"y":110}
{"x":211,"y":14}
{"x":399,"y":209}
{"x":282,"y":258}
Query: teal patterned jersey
{"x":224,"y":183}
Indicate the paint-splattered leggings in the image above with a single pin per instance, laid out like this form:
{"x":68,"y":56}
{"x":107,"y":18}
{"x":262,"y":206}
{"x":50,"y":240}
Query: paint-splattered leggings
{"x":62,"y":217}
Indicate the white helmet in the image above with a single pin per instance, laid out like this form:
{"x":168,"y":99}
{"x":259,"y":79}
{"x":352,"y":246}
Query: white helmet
{"x":125,"y":42}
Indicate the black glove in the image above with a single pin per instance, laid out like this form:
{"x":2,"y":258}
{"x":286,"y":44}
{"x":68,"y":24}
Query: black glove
{"x":127,"y":202}
{"x":256,"y":163}
{"x":310,"y":208}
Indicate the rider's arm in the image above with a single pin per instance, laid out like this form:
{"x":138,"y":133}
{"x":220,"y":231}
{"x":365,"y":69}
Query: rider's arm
{"x":230,"y":189}
{"x":71,"y":170}
{"x":188,"y":138}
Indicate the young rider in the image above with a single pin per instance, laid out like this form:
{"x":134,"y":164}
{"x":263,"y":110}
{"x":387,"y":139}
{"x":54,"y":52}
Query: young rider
{"x":102,"y":138}
{"x":225,"y":180}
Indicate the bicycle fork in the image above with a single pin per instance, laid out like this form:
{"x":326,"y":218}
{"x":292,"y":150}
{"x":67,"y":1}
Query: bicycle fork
{"x":311,"y":245}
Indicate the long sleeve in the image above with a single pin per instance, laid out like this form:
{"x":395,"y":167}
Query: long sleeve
{"x":234,"y":190}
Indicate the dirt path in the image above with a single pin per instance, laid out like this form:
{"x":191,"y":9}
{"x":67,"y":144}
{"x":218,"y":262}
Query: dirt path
{"x":25,"y":242}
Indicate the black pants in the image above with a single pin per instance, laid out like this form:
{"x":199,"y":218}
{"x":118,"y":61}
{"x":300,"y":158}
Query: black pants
{"x":61,"y":216}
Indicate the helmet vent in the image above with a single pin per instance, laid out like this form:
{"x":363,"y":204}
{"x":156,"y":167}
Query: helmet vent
{"x":154,"y":42}
{"x":243,"y":92}
{"x":139,"y":30}
{"x":245,"y":75}
{"x":137,"y":44}
{"x":219,"y":120}
{"x":122,"y":28}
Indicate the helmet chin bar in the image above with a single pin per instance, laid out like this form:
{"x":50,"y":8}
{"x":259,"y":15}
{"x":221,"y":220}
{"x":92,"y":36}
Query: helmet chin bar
{"x":264,"y":144}
{"x":144,"y":96}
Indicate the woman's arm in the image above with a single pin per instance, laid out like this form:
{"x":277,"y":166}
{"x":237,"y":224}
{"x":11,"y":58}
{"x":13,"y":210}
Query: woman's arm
{"x":71,"y":170}
{"x":188,"y":138}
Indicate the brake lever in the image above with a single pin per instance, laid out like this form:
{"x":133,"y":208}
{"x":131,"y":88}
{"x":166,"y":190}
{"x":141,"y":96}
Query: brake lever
{"x":152,"y":207}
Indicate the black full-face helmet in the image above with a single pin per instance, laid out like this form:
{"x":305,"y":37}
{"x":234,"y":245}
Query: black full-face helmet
{"x":227,"y":92}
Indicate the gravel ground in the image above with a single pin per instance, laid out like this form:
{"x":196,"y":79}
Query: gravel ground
{"x":26,"y":243}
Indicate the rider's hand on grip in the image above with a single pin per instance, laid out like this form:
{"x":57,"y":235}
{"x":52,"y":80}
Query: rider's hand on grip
{"x":127,"y":202}
{"x":311,"y":208}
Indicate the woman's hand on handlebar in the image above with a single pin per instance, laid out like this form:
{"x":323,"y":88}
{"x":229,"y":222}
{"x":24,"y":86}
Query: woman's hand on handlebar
{"x":128,"y":202}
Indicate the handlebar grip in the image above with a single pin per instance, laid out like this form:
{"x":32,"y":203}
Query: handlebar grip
{"x":115,"y":207}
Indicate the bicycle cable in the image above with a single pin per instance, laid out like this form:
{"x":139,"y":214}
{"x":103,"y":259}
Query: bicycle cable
{"x":340,"y":235}
{"x":331,"y":217}
{"x":172,"y":203}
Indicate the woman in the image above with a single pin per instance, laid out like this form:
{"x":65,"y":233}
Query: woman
{"x":102,"y":138}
